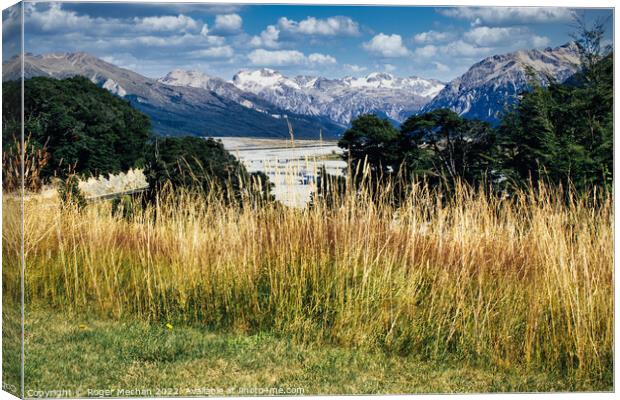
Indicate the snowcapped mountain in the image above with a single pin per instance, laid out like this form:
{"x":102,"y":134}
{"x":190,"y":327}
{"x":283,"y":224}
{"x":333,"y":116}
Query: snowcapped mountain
{"x":491,"y":84}
{"x":341,"y":99}
{"x":200,"y":106}
{"x":198,"y":79}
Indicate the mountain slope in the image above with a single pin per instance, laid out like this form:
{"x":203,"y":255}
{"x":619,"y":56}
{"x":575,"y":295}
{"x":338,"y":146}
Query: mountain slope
{"x":489,"y":85}
{"x":176,"y":110}
{"x":341,"y":99}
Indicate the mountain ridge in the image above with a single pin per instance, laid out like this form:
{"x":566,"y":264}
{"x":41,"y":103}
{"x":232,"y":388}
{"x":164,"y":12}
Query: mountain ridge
{"x":491,"y":84}
{"x":339,"y":99}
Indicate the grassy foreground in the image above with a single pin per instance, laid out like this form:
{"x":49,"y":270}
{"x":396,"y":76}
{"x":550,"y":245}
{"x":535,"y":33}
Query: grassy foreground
{"x":78,"y":353}
{"x":520,"y":284}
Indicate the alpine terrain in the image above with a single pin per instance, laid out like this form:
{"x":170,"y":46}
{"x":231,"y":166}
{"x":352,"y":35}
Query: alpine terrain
{"x":490,"y":85}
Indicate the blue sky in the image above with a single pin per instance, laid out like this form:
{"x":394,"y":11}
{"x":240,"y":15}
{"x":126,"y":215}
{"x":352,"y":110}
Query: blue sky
{"x":332,"y":41}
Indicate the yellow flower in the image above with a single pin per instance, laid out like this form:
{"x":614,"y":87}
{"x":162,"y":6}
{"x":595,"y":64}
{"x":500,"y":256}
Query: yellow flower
{"x":169,"y":326}
{"x":82,"y":326}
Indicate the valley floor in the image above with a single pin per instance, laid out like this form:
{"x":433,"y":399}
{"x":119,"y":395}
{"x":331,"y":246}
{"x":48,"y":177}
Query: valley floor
{"x":80,"y":356}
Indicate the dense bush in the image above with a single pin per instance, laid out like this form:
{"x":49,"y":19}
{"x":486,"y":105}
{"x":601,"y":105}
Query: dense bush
{"x":563,"y":132}
{"x":201,"y":164}
{"x":86,"y":128}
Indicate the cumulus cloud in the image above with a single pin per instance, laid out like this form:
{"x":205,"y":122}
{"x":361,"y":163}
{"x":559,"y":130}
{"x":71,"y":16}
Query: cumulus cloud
{"x":168,"y":23}
{"x":228,"y":23}
{"x":318,"y":58}
{"x":55,"y":18}
{"x":427,"y":51}
{"x":387,"y":45}
{"x":509,"y":15}
{"x":461,"y":48}
{"x":332,"y":26}
{"x":355,"y":68}
{"x":540,"y":41}
{"x":432,"y":37}
{"x":441,"y":67}
{"x":262,"y":57}
{"x":389,"y":67}
{"x":213,"y":52}
{"x":490,"y":36}
{"x":485,"y":36}
{"x":267,"y":38}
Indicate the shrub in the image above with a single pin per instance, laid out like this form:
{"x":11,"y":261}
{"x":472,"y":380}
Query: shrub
{"x":202,"y":165}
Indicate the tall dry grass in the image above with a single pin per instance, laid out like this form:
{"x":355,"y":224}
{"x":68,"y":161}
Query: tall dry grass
{"x":525,"y":282}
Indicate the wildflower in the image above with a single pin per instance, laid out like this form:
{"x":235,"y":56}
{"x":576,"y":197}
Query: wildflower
{"x":82,"y":326}
{"x":169,"y":326}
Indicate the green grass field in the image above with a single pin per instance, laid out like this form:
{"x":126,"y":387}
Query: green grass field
{"x":78,"y":354}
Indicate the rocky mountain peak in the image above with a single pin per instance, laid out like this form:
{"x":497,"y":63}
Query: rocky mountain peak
{"x":494,"y":82}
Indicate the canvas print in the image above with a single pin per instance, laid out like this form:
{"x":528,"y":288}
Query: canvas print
{"x":210,"y":199}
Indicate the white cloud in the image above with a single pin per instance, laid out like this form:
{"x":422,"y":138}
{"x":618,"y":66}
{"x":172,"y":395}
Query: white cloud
{"x":332,"y":26}
{"x":267,"y":38}
{"x":54,"y":18}
{"x":387,"y":45}
{"x":276,"y":58}
{"x":318,"y":58}
{"x":540,"y":41}
{"x":486,"y":36}
{"x":264,"y":57}
{"x":389,"y":67}
{"x":213,"y":52}
{"x":427,"y":51}
{"x":509,"y":15}
{"x":460,"y":48}
{"x":212,"y":40}
{"x":355,"y":68}
{"x":441,"y":67}
{"x":432,"y":37}
{"x":168,"y":23}
{"x":228,"y":23}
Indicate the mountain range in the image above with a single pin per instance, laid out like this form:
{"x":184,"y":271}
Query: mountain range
{"x":177,"y":110}
{"x":340,"y":100}
{"x":258,"y":102}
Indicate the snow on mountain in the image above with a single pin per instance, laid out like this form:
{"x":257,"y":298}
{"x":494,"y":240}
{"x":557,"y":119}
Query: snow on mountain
{"x":489,"y":85}
{"x":114,"y":87}
{"x":255,"y":81}
{"x":341,"y":99}
{"x":198,"y":79}
{"x":179,"y":77}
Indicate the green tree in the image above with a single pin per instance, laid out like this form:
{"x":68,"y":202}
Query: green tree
{"x":529,"y":136}
{"x":442,"y":146}
{"x":563,"y":133}
{"x":202,"y":164}
{"x":83,"y":125}
{"x":373,"y":141}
